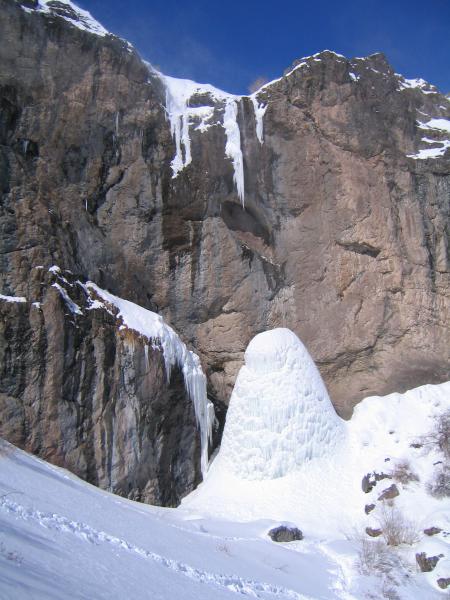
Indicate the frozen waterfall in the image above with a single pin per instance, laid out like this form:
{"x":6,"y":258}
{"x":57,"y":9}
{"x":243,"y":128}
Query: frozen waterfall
{"x":280,"y":414}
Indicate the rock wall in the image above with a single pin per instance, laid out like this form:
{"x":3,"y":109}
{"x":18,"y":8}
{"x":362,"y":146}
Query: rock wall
{"x":344,"y":234}
{"x":80,"y":390}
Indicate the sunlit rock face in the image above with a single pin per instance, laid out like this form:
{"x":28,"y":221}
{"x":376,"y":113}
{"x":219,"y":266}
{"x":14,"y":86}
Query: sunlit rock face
{"x":137,"y":182}
{"x":280,"y":415}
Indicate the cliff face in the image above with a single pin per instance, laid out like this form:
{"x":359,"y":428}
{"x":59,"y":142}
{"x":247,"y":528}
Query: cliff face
{"x":137,"y":183}
{"x":83,"y":391}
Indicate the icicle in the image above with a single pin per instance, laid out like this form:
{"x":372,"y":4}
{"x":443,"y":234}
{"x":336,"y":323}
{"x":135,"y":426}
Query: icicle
{"x":260,"y":110}
{"x":233,"y":145}
{"x":176,"y":106}
{"x":175,"y":352}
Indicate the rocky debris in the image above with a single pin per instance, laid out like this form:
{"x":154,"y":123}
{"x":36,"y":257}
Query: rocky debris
{"x":427,"y":563}
{"x":432,"y":531}
{"x":389,"y":493}
{"x":370,"y":480}
{"x":285,"y":533}
{"x":443,"y":582}
{"x":369,"y":508}
{"x":82,"y":391}
{"x":373,"y":532}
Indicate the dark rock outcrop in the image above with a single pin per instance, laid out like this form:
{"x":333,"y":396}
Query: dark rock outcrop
{"x":427,"y":563}
{"x":285,"y":533}
{"x":389,"y":493}
{"x":373,"y":532}
{"x":370,"y":480}
{"x":432,"y":531}
{"x":83,"y":392}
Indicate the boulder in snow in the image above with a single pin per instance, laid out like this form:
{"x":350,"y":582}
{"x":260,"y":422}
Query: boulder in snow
{"x":427,"y":563}
{"x":389,"y":493}
{"x":283,"y":533}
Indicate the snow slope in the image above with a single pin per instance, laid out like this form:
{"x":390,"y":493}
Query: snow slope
{"x":62,"y":538}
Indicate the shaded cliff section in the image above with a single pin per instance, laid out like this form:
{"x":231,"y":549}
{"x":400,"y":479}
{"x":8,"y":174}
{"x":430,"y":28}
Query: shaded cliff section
{"x":85,"y":393}
{"x":343,"y":239}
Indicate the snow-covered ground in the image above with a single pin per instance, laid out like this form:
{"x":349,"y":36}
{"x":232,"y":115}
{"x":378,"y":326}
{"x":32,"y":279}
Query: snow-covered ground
{"x":63,"y":538}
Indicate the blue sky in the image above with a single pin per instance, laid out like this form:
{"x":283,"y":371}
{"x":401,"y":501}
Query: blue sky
{"x":232,"y":43}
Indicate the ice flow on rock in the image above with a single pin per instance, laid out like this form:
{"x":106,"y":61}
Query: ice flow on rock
{"x":280,"y":414}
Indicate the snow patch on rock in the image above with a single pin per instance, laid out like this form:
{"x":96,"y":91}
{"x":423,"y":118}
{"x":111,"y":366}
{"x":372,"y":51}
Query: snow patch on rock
{"x":438,"y":126}
{"x":420,"y":84}
{"x":73,"y":14}
{"x":71,"y":305}
{"x":16,"y":299}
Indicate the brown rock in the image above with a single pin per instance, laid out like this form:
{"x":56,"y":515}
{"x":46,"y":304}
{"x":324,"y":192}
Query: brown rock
{"x":373,"y":532}
{"x":443,"y":582}
{"x":427,"y":563}
{"x":339,"y":228}
{"x":284,"y":533}
{"x":370,"y":480}
{"x":432,"y":531}
{"x":389,"y":493}
{"x":343,"y":238}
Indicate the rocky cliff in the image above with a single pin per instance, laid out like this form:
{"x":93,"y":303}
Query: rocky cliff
{"x":97,"y":385}
{"x":319,"y":203}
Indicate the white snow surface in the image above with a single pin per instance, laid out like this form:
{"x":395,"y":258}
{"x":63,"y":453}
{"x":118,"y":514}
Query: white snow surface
{"x":425,"y":153}
{"x":438,"y":126}
{"x":287,"y":456}
{"x":84,"y":20}
{"x":63,"y":538}
{"x":17,"y":299}
{"x":157,"y":333}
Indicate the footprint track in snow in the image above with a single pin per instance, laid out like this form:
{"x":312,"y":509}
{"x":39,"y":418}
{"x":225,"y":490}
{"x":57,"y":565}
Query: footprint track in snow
{"x":85,"y":532}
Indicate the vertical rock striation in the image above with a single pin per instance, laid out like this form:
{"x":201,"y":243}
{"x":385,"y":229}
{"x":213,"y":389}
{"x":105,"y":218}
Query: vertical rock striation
{"x":83,"y":389}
